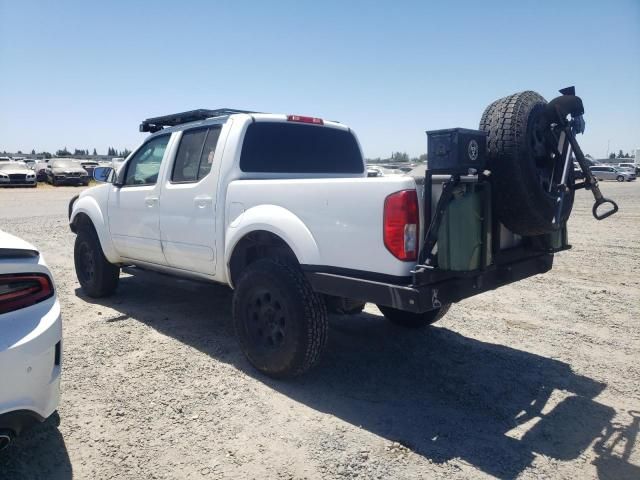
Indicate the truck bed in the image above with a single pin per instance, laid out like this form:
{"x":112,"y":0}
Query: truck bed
{"x":344,"y":217}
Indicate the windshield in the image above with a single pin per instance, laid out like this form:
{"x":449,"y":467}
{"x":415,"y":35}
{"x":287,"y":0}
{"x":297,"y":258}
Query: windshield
{"x":63,"y":164}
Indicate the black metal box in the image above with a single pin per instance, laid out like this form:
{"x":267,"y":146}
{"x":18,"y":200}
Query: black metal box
{"x":456,"y":150}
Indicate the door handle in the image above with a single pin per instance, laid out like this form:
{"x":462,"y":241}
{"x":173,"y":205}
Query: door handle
{"x":202,"y":201}
{"x":150,"y":201}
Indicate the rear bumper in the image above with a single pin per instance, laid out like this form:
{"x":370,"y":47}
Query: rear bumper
{"x":30,"y":365}
{"x":429,"y":292}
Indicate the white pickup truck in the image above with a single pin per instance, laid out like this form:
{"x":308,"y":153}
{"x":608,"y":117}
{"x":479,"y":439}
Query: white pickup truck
{"x":279,"y":207}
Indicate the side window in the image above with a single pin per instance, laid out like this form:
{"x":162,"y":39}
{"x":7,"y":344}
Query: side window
{"x":144,"y":167}
{"x":195,"y":155}
{"x":185,"y":168}
{"x":206,"y":160}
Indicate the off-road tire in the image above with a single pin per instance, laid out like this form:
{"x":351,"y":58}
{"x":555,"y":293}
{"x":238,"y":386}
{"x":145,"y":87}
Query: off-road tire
{"x":98,"y":278}
{"x":413,"y":320}
{"x":280,"y":322}
{"x":519,"y":182}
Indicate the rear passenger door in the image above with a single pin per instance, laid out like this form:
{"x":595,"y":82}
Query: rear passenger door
{"x":188,"y":201}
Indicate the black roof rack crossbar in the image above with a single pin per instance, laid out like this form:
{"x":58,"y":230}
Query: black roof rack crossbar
{"x":158,"y":123}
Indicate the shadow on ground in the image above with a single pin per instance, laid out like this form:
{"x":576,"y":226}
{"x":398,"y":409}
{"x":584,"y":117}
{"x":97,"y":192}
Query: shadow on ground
{"x":437,"y":392}
{"x":38,"y":453}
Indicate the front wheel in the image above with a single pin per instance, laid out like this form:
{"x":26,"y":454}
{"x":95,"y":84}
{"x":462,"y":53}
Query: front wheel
{"x":280,"y":322}
{"x":413,"y":320}
{"x":97,"y":277}
{"x":620,"y":178}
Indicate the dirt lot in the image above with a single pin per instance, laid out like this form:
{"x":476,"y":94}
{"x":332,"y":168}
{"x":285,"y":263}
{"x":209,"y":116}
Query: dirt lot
{"x":538,"y":380}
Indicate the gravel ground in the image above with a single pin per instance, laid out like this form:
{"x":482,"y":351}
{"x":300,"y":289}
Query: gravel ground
{"x":540,"y":379}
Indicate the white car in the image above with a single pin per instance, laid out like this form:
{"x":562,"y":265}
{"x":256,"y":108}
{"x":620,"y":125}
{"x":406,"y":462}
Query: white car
{"x":17,"y":174}
{"x":30,"y":338}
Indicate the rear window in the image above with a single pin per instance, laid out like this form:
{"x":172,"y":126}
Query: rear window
{"x":295,"y":148}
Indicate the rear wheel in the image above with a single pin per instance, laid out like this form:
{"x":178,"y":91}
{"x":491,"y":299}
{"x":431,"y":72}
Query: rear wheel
{"x":524,"y":174}
{"x":97,"y":277}
{"x":280,"y":322}
{"x":413,"y":320}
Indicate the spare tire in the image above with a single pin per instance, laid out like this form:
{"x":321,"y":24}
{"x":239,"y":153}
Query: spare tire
{"x":522,"y":168}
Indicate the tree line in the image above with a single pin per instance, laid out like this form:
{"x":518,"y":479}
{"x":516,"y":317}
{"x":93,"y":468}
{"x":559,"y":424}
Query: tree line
{"x":399,"y":157}
{"x":621,"y":154}
{"x":403,"y":157}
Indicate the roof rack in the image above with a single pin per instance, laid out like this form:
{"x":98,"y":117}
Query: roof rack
{"x":158,"y":123}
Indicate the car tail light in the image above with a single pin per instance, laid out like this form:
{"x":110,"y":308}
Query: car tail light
{"x":301,"y":119}
{"x":402,"y":224}
{"x":22,"y":290}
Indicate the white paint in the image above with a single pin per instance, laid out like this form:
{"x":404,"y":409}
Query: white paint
{"x":29,"y":380}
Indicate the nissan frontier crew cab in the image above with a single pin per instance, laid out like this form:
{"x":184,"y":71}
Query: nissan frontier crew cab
{"x":279,"y":207}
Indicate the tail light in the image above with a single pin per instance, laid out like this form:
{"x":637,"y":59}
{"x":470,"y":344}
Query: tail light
{"x":23,"y":290}
{"x":301,"y":119}
{"x":402,"y":225}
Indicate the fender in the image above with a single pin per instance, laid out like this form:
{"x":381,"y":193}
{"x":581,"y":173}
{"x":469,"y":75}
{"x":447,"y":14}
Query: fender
{"x":89,"y":206}
{"x":280,"y":222}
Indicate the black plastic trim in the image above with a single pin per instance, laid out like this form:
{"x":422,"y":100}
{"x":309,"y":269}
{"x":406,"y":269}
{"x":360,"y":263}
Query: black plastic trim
{"x":425,"y":297}
{"x":18,"y":253}
{"x":360,"y":274}
{"x":71,"y":203}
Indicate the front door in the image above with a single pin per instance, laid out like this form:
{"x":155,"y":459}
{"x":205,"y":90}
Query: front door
{"x":188,"y":201}
{"x":134,"y":218}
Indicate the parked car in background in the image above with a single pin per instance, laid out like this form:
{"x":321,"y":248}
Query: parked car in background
{"x":30,"y":162}
{"x":116,"y":163}
{"x":5,"y":159}
{"x":609,"y":172}
{"x":61,"y":171}
{"x":40,"y":170}
{"x":89,"y":166}
{"x":30,"y":339}
{"x":577,"y":171}
{"x":374,"y":172}
{"x":16,"y":174}
{"x":635,"y":167}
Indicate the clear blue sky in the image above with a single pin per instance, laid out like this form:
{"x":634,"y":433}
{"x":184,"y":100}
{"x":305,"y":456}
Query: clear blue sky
{"x":83,"y":74}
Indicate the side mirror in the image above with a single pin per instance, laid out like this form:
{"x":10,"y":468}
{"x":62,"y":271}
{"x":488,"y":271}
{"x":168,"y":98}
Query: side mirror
{"x":104,"y":174}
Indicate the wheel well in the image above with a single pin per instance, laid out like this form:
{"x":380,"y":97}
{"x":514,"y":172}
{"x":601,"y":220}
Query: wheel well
{"x":254,"y":246}
{"x":82,"y":220}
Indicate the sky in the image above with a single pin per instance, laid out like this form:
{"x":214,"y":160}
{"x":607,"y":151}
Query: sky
{"x":84,"y":74}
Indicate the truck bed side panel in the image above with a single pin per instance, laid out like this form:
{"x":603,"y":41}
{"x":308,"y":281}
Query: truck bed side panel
{"x":344,"y":216}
